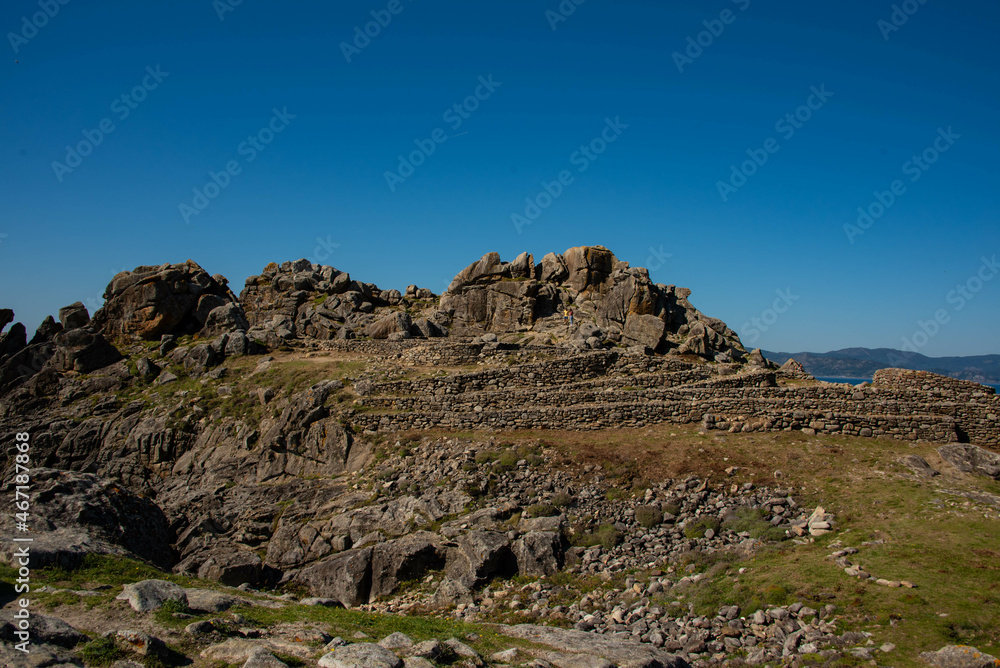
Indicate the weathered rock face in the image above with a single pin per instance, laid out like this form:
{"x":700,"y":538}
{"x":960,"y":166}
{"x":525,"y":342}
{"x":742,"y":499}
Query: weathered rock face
{"x":620,"y":302}
{"x":345,"y":577}
{"x":84,"y":514}
{"x":589,"y":645}
{"x":73,"y":345}
{"x":404,"y":559}
{"x":82,"y":350}
{"x":481,"y":555}
{"x":148,"y":302}
{"x":971,"y":459}
{"x":539,"y":553}
{"x":149,"y":595}
{"x":13,"y":341}
{"x":304,"y":300}
{"x":959,"y":656}
{"x":73,"y":316}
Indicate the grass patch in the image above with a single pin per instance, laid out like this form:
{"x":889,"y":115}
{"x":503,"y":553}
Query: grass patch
{"x":751,"y":521}
{"x":101,"y":652}
{"x":345,"y":623}
{"x":604,"y":535}
{"x":699,"y":527}
{"x":293,"y":375}
{"x":103,"y":569}
{"x":541,"y":510}
{"x":165,"y":615}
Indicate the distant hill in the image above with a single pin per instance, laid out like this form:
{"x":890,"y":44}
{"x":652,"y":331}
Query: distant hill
{"x":863,"y":362}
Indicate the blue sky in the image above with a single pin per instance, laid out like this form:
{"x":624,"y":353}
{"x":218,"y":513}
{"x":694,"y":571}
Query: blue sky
{"x":319,"y":188}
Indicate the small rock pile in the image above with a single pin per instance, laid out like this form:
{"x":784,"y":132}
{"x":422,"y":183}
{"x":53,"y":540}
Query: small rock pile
{"x":858,"y":571}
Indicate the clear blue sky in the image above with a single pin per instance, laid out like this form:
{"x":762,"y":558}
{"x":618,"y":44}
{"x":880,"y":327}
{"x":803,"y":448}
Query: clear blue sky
{"x":323,"y":177}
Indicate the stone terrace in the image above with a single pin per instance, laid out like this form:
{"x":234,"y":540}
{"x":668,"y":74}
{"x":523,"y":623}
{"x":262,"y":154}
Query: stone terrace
{"x":623,"y":388}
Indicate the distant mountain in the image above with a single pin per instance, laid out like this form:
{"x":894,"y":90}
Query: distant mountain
{"x":863,"y":362}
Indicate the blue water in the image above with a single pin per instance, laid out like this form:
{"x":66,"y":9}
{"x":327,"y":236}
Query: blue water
{"x":855,"y":381}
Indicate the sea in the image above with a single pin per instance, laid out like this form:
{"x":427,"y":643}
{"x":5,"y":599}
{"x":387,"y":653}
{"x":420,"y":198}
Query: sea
{"x":855,"y":381}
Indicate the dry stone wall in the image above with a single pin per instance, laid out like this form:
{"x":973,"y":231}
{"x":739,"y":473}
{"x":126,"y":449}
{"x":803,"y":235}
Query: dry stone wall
{"x":606,"y":389}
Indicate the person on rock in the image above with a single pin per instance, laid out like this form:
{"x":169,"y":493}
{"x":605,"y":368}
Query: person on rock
{"x":565,"y":315}
{"x":570,"y":313}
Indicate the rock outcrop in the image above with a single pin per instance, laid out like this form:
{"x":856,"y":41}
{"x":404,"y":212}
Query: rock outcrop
{"x":171,"y":299}
{"x":80,"y":513}
{"x":973,"y":459}
{"x":612,"y":303}
{"x":301,"y":300}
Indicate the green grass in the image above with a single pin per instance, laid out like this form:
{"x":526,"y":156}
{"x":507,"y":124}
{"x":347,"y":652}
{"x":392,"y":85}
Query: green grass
{"x":101,"y":652}
{"x":950,"y":553}
{"x":291,"y":376}
{"x":751,"y":521}
{"x":345,"y":623}
{"x":604,"y":535}
{"x":698,"y":528}
{"x":165,"y":615}
{"x":60,"y":598}
{"x":541,"y":510}
{"x":103,"y":569}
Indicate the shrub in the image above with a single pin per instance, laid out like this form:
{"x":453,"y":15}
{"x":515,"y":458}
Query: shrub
{"x":541,"y":510}
{"x":605,"y":535}
{"x":671,"y":508}
{"x":616,"y":494}
{"x":562,"y":500}
{"x":648,"y":516}
{"x":507,"y":461}
{"x":698,"y":528}
{"x":608,"y":536}
{"x":484,"y":457}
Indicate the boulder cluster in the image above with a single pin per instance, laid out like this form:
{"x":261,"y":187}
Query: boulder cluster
{"x":301,"y":300}
{"x":147,"y":304}
{"x":612,"y":303}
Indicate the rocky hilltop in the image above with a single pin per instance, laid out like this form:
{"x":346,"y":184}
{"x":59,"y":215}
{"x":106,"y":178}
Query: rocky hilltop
{"x":614,"y":304}
{"x":318,"y":440}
